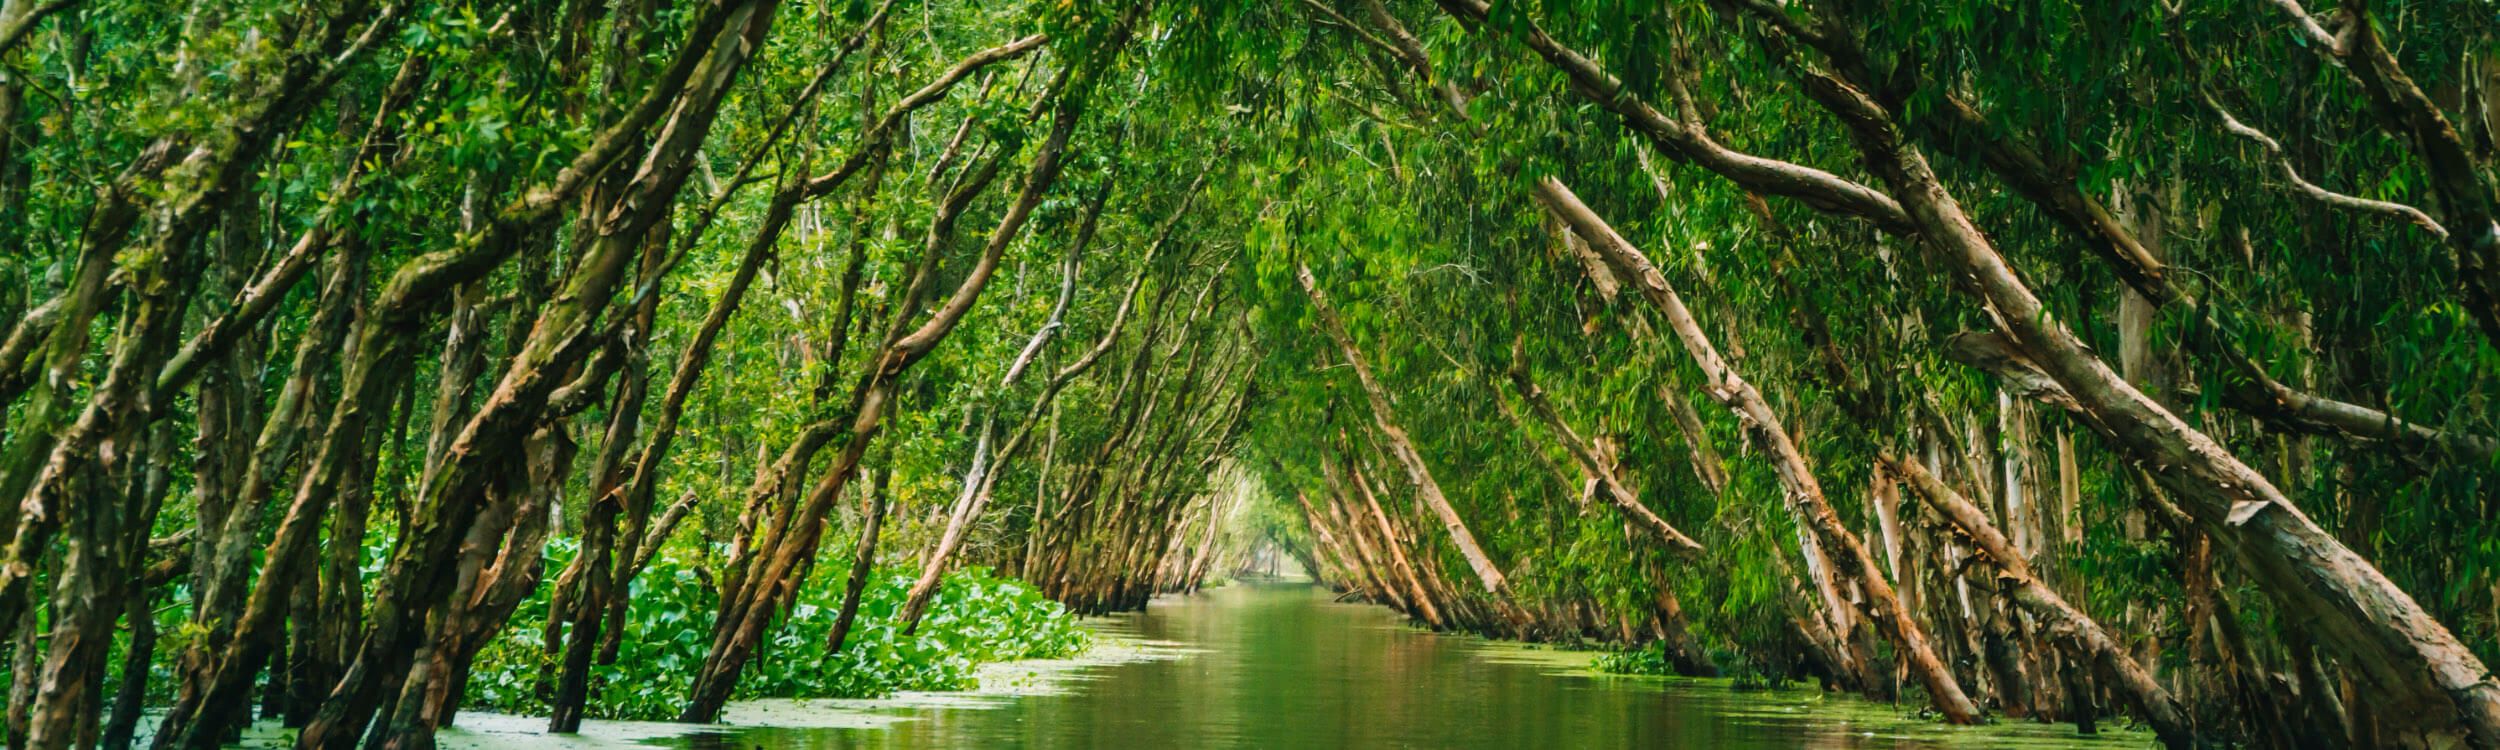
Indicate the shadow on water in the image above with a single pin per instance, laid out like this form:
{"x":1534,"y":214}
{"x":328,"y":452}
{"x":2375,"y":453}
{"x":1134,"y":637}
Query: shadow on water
{"x":1282,"y":665}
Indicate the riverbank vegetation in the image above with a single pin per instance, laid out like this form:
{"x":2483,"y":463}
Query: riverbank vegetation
{"x":975,"y":619}
{"x":2036,"y":362}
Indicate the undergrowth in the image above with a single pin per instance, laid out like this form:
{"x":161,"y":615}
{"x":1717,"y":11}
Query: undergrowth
{"x":976,"y":618}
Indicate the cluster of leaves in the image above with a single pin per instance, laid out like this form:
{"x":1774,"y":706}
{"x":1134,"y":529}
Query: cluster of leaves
{"x":1648,"y":660}
{"x":1419,"y":222}
{"x":1652,"y":660}
{"x":976,"y":619}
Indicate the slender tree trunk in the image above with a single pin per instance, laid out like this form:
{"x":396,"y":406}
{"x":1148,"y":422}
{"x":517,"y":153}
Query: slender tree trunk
{"x":1625,"y":500}
{"x":2379,"y":627}
{"x":1384,"y":420}
{"x":863,"y":555}
{"x":764,"y":593}
{"x":1405,"y":569}
{"x":916,"y":602}
{"x":1805,"y":495}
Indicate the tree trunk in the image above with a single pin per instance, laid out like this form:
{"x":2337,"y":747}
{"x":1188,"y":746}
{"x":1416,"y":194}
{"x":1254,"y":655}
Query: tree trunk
{"x":959,"y":524}
{"x":1384,"y":420}
{"x":2378,"y":627}
{"x":1405,"y":569}
{"x":864,"y":554}
{"x":1805,"y":495}
{"x":747,"y":615}
{"x":1625,"y":500}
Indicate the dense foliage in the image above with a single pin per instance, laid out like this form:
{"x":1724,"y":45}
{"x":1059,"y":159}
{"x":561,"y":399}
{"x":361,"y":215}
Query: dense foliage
{"x":977,"y":619}
{"x":373,"y":359}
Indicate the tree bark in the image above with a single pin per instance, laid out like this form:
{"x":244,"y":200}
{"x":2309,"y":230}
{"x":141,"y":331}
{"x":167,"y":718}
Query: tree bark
{"x":2079,"y":633}
{"x":1417,"y":595}
{"x":864,"y":555}
{"x":1806,"y":501}
{"x":1625,"y":500}
{"x":1384,"y":420}
{"x":2378,"y":627}
{"x":482,"y":467}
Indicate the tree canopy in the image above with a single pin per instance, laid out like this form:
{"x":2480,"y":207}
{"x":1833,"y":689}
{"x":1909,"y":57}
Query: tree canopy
{"x":2007,"y":359}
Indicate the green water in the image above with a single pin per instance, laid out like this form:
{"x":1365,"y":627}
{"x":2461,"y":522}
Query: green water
{"x":1281,"y":665}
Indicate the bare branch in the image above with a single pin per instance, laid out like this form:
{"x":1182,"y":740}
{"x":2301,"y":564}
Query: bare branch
{"x":2283,"y":165}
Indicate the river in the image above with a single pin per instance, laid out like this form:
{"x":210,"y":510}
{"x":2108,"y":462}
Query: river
{"x":1283,"y":665}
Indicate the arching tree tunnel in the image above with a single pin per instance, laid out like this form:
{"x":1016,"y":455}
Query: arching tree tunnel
{"x":371,"y":360}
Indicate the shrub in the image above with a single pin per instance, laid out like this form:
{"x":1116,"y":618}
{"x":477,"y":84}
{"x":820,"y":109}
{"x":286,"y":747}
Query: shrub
{"x":976,"y":618}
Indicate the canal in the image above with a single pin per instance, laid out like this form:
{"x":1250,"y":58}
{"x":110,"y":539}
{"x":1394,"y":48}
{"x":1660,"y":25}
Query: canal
{"x":1284,"y":665}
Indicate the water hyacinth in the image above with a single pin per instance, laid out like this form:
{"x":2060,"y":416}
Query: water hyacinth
{"x":976,"y":618}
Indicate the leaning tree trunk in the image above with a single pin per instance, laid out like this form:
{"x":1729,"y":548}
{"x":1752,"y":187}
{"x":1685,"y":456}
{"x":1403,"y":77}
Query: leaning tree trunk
{"x":1384,"y":420}
{"x":864,"y":555}
{"x":1805,"y":495}
{"x":2083,"y":635}
{"x":2380,"y":629}
{"x":370,"y":373}
{"x":482,"y":469}
{"x":763,"y":594}
{"x":916,"y":603}
{"x":2377,"y":627}
{"x":1398,"y":561}
{"x":1626,"y":501}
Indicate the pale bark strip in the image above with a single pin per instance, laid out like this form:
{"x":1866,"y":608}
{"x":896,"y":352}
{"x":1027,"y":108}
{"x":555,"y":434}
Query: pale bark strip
{"x":1396,"y":590}
{"x":775,"y":481}
{"x":1399,"y":563}
{"x":1686,"y":141}
{"x":1707,"y":465}
{"x":1327,"y":560}
{"x":16,"y":29}
{"x":2135,"y":254}
{"x":2470,"y":202}
{"x":959,"y":524}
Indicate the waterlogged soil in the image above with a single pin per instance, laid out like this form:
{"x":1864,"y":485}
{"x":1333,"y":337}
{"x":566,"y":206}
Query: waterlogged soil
{"x":1283,"y":665}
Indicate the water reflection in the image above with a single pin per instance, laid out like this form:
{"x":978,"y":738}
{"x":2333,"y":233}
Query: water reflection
{"x":1281,"y":665}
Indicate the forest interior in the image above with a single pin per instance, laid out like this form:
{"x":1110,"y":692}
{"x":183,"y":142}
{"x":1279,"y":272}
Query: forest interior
{"x":372,"y":361}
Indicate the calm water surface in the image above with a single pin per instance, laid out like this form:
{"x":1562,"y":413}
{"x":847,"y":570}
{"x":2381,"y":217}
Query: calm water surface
{"x":1281,"y":665}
